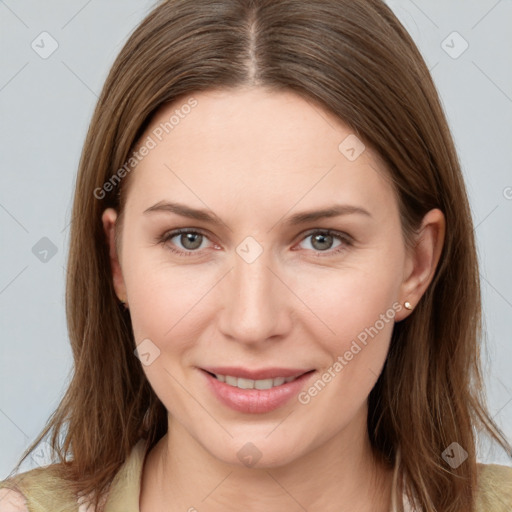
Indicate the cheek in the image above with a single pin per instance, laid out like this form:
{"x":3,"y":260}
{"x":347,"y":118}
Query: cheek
{"x":361,"y":314}
{"x":355,"y":311}
{"x":348,"y":301}
{"x":165,"y":305}
{"x":161,"y":294}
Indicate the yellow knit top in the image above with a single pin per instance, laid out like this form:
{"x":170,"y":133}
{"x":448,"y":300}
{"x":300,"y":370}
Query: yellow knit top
{"x":42,"y":491}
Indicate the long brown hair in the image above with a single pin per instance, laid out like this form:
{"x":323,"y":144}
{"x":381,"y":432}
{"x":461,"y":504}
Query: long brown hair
{"x":355,"y":59}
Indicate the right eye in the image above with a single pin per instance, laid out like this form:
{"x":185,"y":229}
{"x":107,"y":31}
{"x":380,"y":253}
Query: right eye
{"x":190,"y":240}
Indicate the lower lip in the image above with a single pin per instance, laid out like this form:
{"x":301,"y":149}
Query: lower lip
{"x":255,"y":400}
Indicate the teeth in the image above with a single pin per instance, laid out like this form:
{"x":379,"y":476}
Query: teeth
{"x":264,"y":384}
{"x":245,"y":383}
{"x":278,"y":381}
{"x":232,"y":381}
{"x":242,"y":383}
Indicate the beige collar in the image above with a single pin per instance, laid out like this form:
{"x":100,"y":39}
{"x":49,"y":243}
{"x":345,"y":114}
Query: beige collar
{"x":124,"y":493}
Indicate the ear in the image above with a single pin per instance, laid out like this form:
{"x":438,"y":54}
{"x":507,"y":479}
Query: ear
{"x":109,"y":218}
{"x":422,"y":260}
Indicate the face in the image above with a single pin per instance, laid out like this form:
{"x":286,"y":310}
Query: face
{"x":225,"y":274}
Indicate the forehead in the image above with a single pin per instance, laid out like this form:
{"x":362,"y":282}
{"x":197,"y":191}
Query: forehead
{"x":249,"y":122}
{"x":232,"y":145}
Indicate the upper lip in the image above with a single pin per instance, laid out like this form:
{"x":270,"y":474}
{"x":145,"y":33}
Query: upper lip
{"x":256,"y":374}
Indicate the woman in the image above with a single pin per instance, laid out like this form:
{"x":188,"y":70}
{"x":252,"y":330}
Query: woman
{"x":270,"y":214}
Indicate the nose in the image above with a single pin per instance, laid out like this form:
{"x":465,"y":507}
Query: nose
{"x":255,"y":303}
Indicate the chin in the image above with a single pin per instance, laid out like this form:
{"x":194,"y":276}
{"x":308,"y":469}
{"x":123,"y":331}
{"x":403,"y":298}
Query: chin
{"x":257,"y":451}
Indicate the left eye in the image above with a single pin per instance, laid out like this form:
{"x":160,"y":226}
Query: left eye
{"x":323,"y":240}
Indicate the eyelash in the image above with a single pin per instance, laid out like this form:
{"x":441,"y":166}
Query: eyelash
{"x":346,"y":240}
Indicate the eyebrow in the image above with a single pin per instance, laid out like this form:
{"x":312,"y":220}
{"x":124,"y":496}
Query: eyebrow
{"x":298,"y":218}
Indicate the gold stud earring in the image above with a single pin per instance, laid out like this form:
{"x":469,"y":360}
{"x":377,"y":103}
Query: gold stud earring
{"x":407,"y":305}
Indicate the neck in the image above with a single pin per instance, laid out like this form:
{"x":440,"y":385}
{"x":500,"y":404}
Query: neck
{"x":180,"y":475}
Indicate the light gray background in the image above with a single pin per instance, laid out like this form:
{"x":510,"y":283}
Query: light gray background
{"x":46,"y":105}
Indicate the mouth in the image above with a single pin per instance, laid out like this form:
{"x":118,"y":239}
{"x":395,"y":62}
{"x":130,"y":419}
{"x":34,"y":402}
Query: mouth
{"x":255,"y":391}
{"x":261,"y":384}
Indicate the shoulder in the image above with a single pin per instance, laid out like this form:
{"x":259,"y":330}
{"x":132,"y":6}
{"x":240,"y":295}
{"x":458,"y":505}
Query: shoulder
{"x":44,"y":490}
{"x":12,"y":500}
{"x":37,"y":490}
{"x":494,"y":488}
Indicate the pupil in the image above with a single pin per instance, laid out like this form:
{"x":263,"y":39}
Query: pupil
{"x":326,"y":240}
{"x":191,"y":240}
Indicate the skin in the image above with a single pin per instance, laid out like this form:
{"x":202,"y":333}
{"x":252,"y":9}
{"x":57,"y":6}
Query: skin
{"x":299,"y":304}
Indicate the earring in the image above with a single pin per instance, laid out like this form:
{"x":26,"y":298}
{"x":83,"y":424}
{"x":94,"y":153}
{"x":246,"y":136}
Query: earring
{"x":123,"y":302}
{"x":407,"y":305}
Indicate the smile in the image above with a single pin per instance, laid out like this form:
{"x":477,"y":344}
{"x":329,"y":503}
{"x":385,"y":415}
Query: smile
{"x":242,"y":383}
{"x":255,"y":391}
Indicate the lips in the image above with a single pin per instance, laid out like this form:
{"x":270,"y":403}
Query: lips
{"x":255,"y":391}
